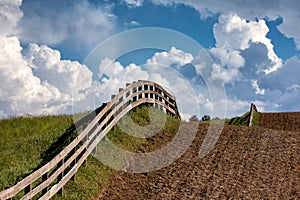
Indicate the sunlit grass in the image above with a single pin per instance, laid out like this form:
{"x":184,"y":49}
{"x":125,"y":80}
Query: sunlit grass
{"x":23,"y":142}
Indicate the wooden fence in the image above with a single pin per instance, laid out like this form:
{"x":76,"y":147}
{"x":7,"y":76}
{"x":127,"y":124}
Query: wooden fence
{"x":48,"y":180}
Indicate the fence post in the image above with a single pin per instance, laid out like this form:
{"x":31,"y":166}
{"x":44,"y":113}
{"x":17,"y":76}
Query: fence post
{"x":28,"y":188}
{"x":44,"y":178}
{"x":61,"y":176}
{"x":73,"y":178}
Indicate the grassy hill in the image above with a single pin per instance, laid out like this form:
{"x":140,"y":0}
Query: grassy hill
{"x":29,"y":142}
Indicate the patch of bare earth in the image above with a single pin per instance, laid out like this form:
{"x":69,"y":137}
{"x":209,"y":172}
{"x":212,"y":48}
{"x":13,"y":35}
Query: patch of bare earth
{"x":246,"y":163}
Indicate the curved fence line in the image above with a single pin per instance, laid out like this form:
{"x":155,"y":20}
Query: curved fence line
{"x":51,"y":177}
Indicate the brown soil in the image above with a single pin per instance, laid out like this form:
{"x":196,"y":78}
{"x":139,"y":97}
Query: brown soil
{"x":246,"y":163}
{"x":280,"y":121}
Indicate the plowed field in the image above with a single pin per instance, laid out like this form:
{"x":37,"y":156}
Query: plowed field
{"x":280,"y":121}
{"x":246,"y":163}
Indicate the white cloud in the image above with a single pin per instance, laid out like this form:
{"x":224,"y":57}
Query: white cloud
{"x":81,"y":24}
{"x":35,"y":79}
{"x":116,"y":75}
{"x":230,"y":58}
{"x":235,"y":37}
{"x":134,"y":3}
{"x":69,"y":77}
{"x":39,"y":82}
{"x":10,"y":14}
{"x":234,"y":34}
{"x":283,"y":78}
{"x":282,"y":86}
{"x":157,"y":69}
{"x":21,"y":91}
{"x":133,"y":23}
{"x":252,"y":10}
{"x":227,"y":75}
{"x":256,"y":87}
{"x":173,"y":57}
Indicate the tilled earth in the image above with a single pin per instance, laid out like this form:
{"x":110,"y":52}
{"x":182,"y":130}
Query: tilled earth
{"x":245,"y":163}
{"x":288,"y":121}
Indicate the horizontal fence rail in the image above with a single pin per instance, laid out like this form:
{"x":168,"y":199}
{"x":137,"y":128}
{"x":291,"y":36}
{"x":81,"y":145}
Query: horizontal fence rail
{"x":51,"y":177}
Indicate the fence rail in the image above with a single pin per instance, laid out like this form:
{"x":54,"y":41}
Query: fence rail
{"x":51,"y":177}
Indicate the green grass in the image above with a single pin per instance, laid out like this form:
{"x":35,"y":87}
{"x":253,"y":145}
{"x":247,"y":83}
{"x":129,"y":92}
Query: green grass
{"x":29,"y":142}
{"x":24,"y":140}
{"x":255,"y":119}
{"x":90,"y":179}
{"x":243,"y":120}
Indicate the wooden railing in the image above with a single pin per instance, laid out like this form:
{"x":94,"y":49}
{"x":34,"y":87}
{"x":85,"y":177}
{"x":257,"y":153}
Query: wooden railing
{"x":51,"y":177}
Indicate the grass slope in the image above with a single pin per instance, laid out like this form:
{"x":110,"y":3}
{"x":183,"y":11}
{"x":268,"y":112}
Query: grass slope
{"x":29,"y":142}
{"x":243,"y":120}
{"x":24,"y":141}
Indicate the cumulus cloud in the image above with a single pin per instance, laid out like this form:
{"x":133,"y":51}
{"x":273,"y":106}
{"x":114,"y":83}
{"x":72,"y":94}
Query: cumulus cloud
{"x":116,"y":75}
{"x":218,"y":72}
{"x":160,"y":68}
{"x":39,"y":82}
{"x":227,"y":57}
{"x":21,"y":91}
{"x":36,"y":81}
{"x":285,"y":77}
{"x":233,"y":35}
{"x":282,"y":86}
{"x":175,"y":57}
{"x":10,"y":14}
{"x":70,"y":77}
{"x":41,"y":25}
{"x":252,"y":10}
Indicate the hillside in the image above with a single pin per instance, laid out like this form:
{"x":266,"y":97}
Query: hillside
{"x":246,"y":163}
{"x":28,"y":142}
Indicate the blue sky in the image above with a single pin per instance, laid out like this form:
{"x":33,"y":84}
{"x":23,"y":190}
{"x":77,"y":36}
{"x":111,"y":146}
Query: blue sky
{"x":253,"y":49}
